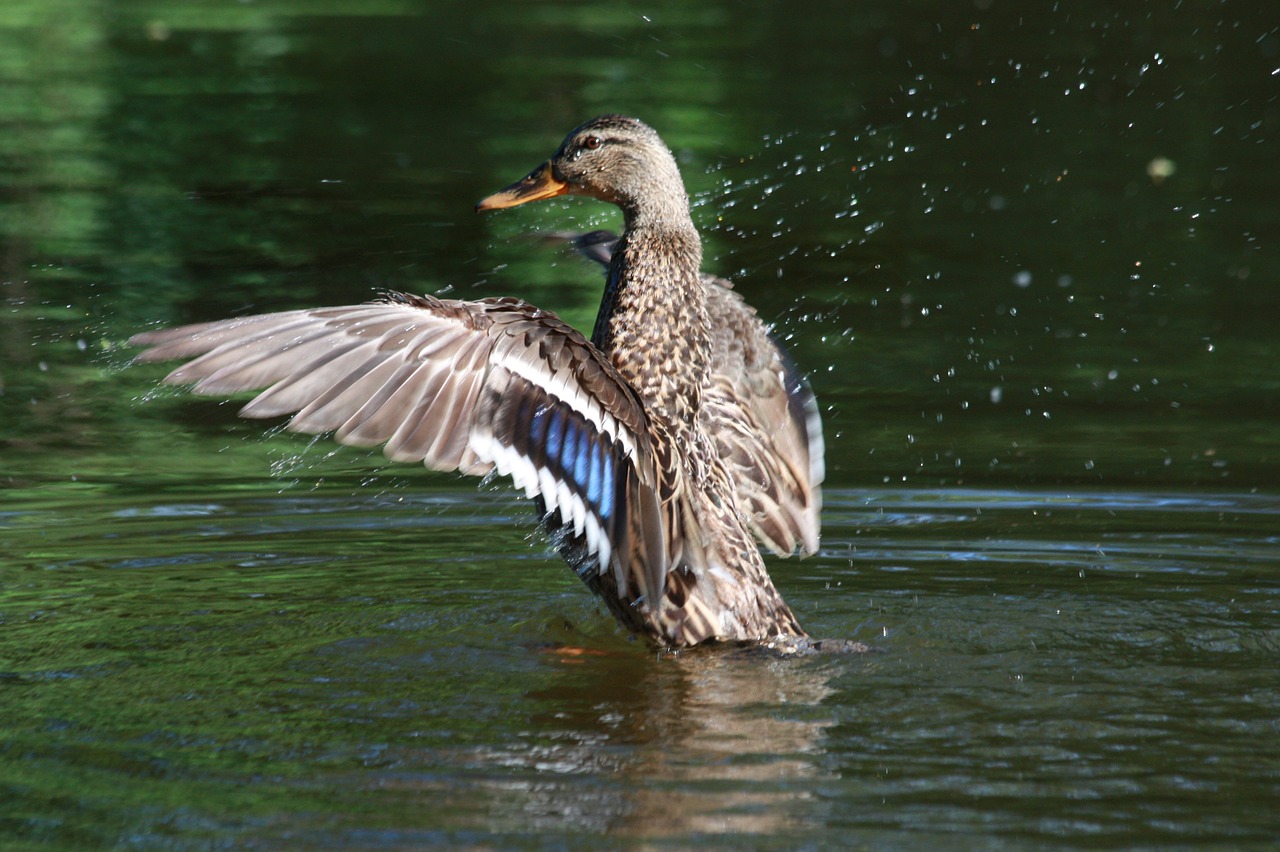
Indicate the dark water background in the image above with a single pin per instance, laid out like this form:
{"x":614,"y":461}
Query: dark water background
{"x":1027,"y":252}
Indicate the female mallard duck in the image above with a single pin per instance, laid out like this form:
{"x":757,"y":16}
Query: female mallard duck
{"x":655,"y":450}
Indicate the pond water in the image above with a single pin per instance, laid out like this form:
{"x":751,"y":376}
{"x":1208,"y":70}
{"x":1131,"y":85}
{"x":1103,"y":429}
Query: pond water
{"x":1025,"y":253}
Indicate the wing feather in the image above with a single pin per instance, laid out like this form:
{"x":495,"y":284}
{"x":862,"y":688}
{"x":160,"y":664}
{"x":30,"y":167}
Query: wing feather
{"x":774,"y":445}
{"x":467,"y":386}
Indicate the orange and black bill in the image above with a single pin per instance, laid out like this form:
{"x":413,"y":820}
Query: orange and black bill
{"x":538,"y":184}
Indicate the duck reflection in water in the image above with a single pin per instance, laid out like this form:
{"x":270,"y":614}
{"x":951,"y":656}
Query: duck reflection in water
{"x":704,"y":743}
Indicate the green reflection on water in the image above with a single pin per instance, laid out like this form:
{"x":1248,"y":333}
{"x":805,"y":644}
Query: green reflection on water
{"x":985,"y":281}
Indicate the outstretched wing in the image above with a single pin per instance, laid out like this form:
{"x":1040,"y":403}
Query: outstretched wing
{"x":760,"y":412}
{"x":495,"y":384}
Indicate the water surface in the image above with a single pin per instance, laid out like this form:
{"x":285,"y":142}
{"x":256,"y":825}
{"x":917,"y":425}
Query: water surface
{"x":1022,"y":251}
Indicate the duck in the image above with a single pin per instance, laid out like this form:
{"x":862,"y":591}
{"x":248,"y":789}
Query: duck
{"x":662,"y":452}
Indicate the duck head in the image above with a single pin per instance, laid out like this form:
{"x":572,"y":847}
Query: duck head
{"x":614,"y":158}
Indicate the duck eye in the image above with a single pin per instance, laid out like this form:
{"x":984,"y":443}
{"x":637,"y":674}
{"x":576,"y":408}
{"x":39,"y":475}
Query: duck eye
{"x":591,"y":143}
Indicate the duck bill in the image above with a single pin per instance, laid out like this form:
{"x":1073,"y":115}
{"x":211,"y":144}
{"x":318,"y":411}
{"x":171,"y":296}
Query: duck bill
{"x":538,"y":184}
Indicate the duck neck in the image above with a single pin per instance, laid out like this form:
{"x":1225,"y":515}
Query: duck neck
{"x":653,"y":320}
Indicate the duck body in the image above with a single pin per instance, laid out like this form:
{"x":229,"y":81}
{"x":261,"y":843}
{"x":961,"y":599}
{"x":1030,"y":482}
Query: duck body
{"x":655,"y":450}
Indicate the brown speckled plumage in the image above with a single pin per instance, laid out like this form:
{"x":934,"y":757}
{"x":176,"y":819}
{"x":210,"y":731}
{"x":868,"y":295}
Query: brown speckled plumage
{"x":656,"y":450}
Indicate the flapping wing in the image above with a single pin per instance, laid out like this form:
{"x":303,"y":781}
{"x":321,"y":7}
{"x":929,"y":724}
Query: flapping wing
{"x":495,"y":384}
{"x":765,"y":421}
{"x":761,"y":413}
